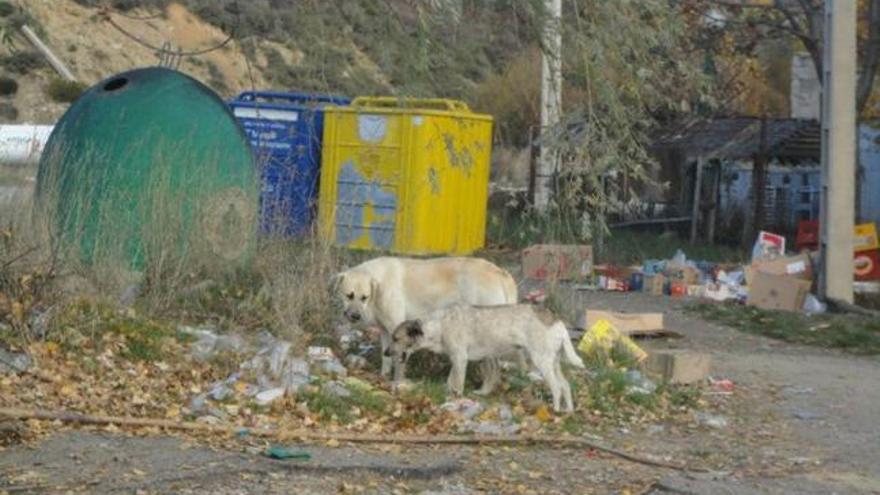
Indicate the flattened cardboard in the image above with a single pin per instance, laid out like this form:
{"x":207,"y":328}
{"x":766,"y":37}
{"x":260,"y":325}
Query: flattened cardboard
{"x":627,"y":323}
{"x":653,"y":284}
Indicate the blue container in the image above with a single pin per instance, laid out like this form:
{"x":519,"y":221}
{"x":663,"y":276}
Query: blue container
{"x":636,"y":281}
{"x":285,"y":130}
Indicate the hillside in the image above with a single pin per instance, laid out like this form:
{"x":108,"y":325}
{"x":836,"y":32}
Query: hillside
{"x":335,"y":47}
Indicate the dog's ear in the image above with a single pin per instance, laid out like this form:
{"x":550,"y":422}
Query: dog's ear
{"x":414,"y":330}
{"x":374,"y":287}
{"x":335,"y":280}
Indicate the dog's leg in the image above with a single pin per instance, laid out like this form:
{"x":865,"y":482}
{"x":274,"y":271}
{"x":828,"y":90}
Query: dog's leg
{"x":522,"y":361}
{"x":387,"y":362}
{"x":491,"y":371}
{"x":455,"y":382}
{"x":566,"y":387}
{"x":399,"y":369}
{"x":544,"y":363}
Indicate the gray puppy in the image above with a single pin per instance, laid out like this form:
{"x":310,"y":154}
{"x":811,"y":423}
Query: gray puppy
{"x":473,"y":333}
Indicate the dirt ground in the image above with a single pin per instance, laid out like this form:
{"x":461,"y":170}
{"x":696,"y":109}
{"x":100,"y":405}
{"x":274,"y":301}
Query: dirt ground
{"x":801,"y":420}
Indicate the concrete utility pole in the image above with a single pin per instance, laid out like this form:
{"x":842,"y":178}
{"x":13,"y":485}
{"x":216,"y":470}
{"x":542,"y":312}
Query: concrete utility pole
{"x":551,"y":102}
{"x":838,"y":150}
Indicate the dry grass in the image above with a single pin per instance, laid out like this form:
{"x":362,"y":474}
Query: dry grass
{"x":295,"y":275}
{"x":178,"y":274}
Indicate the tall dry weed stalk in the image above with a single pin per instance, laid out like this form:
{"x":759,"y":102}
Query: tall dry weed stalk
{"x":295,"y":275}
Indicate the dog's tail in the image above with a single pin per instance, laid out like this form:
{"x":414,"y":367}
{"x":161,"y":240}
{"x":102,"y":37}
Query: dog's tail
{"x":567,"y":349}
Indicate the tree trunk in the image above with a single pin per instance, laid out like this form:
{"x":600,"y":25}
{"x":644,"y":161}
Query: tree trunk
{"x":871,"y":57}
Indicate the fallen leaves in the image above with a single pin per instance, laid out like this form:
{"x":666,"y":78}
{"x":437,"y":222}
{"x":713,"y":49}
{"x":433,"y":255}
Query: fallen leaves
{"x":172,"y":412}
{"x":543,"y":414}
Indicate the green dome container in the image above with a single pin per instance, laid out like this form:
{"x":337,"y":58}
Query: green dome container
{"x":146,"y":167}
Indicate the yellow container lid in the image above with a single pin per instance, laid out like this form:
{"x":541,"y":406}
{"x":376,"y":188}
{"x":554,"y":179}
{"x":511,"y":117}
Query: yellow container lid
{"x":408,"y":105}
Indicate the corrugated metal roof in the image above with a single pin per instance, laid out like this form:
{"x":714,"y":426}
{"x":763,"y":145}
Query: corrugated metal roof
{"x":740,"y":138}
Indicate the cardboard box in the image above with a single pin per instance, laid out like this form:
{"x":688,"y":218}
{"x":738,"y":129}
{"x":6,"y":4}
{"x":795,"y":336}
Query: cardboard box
{"x":679,"y":366}
{"x":778,"y":292}
{"x":627,"y":323}
{"x":866,"y":266}
{"x":653,"y":284}
{"x":769,"y":246}
{"x":865,"y":237}
{"x":687,"y":275}
{"x":558,"y":262}
{"x":800,"y":266}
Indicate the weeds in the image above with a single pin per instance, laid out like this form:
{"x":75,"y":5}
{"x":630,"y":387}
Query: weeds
{"x":64,"y":91}
{"x":332,"y":407}
{"x":22,"y":62}
{"x":514,"y":225}
{"x":851,"y":333}
{"x":8,"y":85}
{"x":625,"y":247}
{"x":95,"y":323}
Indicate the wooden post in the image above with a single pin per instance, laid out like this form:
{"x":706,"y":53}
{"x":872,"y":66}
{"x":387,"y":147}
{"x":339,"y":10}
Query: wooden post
{"x":695,"y":210}
{"x":532,"y":167}
{"x":759,"y":182}
{"x":716,"y":198}
{"x":56,"y":62}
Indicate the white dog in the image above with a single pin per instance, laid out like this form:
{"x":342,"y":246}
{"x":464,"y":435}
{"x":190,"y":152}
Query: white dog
{"x":387,"y":291}
{"x":473,"y":333}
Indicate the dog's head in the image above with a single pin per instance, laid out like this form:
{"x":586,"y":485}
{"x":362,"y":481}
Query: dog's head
{"x":357,"y":291}
{"x":405,"y":339}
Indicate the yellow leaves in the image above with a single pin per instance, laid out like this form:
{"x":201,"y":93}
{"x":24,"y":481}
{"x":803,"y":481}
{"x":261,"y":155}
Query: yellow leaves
{"x":17,"y":312}
{"x":332,"y":443}
{"x":172,"y":412}
{"x":543,"y":414}
{"x":67,"y":390}
{"x":5,"y":303}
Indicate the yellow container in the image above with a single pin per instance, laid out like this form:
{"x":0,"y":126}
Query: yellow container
{"x":406,"y":175}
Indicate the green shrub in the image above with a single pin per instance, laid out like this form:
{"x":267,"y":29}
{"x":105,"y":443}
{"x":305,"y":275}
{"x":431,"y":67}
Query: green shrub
{"x":22,"y":62}
{"x":8,"y":85}
{"x":64,"y":91}
{"x":6,"y":9}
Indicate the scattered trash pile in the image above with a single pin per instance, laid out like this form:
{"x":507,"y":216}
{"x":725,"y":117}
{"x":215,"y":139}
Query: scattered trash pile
{"x":773,"y":279}
{"x":271,"y":372}
{"x":478,"y":419}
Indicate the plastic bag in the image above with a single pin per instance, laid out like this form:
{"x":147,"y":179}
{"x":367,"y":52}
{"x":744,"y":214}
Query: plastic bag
{"x":813,"y":306}
{"x":603,"y":336}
